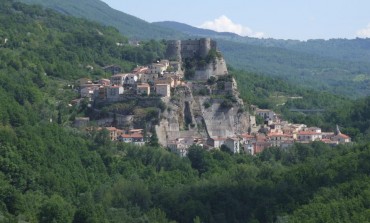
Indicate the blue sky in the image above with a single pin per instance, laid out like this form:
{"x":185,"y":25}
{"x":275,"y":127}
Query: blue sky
{"x":281,"y":19}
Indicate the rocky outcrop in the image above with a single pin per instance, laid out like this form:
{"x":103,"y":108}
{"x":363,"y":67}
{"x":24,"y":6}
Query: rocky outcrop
{"x":213,"y":69}
{"x":199,"y":116}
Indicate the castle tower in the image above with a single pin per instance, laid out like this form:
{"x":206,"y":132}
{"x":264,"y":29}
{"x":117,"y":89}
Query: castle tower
{"x":173,"y":51}
{"x":204,"y":46}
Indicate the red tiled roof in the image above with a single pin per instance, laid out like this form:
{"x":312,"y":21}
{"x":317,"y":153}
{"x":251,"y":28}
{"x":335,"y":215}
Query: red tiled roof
{"x":344,"y":136}
{"x":134,"y":135}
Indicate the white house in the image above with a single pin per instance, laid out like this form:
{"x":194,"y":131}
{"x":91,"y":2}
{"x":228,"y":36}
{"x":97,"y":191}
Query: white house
{"x":131,"y":79}
{"x":265,"y":113}
{"x":304,"y":136}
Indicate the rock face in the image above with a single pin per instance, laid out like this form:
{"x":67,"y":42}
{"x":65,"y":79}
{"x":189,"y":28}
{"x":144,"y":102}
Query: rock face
{"x":206,"y":106}
{"x":214,"y":69}
{"x":189,"y":114}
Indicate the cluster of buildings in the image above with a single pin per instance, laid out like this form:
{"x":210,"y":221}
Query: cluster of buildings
{"x":157,"y":78}
{"x":273,"y":133}
{"x":134,"y":136}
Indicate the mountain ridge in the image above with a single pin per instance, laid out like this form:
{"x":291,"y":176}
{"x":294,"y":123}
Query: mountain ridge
{"x":101,"y":12}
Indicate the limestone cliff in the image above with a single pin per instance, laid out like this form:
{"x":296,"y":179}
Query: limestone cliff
{"x":200,"y":110}
{"x":208,"y":104}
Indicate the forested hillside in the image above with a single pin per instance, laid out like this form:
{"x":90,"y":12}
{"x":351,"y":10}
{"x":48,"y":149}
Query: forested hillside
{"x":50,"y":172}
{"x":98,"y":11}
{"x":282,"y":97}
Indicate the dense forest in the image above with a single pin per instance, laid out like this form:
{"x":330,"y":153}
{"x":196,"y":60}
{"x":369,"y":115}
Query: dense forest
{"x":50,"y":172}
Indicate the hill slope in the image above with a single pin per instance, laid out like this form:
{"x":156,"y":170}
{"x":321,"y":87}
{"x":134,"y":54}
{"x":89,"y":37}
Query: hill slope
{"x":99,"y":11}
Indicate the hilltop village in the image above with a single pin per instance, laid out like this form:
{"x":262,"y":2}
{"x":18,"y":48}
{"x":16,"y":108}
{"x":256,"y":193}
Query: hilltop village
{"x":201,"y":105}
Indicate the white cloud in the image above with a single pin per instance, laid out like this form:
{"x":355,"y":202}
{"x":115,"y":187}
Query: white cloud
{"x":365,"y":32}
{"x":224,"y":24}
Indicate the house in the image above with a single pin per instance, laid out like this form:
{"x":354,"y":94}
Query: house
{"x":143,"y":89}
{"x":163,"y":90}
{"x":157,"y":68}
{"x":216,"y":142}
{"x":260,"y":145}
{"x":165,"y":80}
{"x":180,"y":146}
{"x":135,"y":138}
{"x":131,"y":79}
{"x":118,"y":79}
{"x":340,"y":137}
{"x":248,"y":148}
{"x":266,"y":114}
{"x":277,"y":139}
{"x":113,"y":133}
{"x":304,"y":136}
{"x":149,"y":77}
{"x":113,"y":69}
{"x":232,"y":143}
{"x":100,"y":93}
{"x":113,"y":92}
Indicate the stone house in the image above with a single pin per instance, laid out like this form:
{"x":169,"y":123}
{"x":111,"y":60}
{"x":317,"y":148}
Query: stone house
{"x":114,"y":92}
{"x":143,"y":89}
{"x":163,"y":89}
{"x":232,"y":143}
{"x":118,"y":79}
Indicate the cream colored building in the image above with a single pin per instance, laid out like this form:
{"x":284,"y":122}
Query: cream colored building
{"x":143,"y":89}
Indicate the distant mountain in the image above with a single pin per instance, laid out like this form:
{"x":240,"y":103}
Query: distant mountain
{"x":100,"y":12}
{"x":194,"y":31}
{"x":340,"y":66}
{"x":345,"y":49}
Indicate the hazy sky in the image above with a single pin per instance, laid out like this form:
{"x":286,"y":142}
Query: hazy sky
{"x":283,"y":19}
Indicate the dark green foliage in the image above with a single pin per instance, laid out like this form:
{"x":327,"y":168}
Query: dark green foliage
{"x":53,"y":173}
